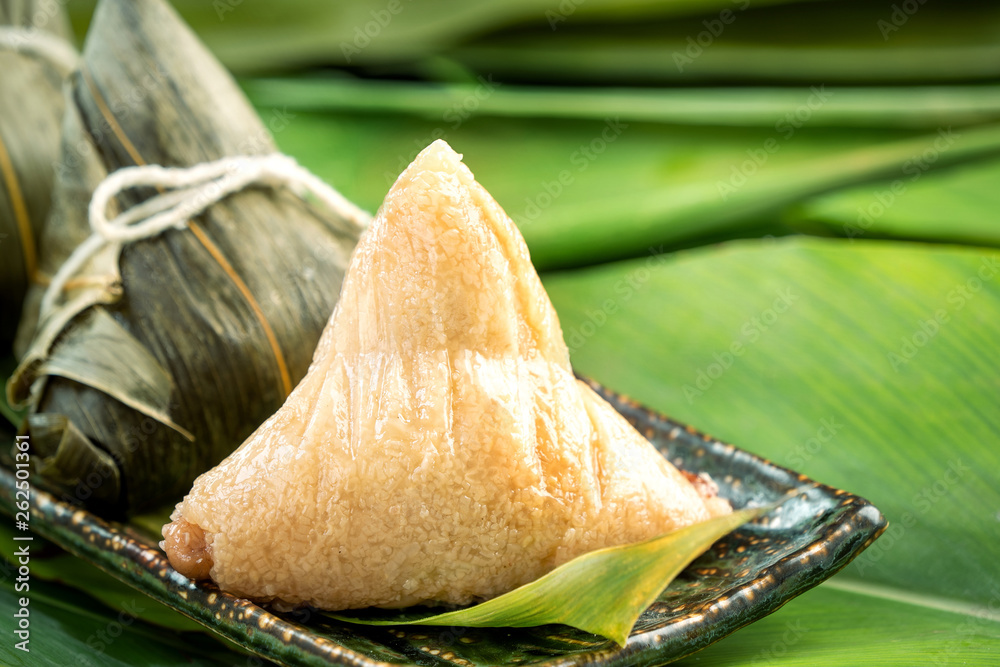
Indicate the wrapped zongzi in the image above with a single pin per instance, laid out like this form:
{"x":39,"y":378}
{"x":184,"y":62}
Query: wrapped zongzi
{"x":159,"y":355}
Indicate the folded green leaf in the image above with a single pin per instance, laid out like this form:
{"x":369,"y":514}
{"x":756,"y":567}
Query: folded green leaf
{"x":654,"y":185}
{"x":904,"y":106}
{"x":736,"y":195}
{"x":861,"y":42}
{"x":956,"y":206}
{"x":256,"y":35}
{"x":602,"y":592}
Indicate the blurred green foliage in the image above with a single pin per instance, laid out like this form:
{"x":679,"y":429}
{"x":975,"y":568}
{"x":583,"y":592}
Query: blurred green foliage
{"x":841,"y":153}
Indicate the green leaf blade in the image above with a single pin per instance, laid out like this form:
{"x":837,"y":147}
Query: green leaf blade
{"x":621,"y":582}
{"x":956,"y":205}
{"x":835,"y":626}
{"x":819,"y":388}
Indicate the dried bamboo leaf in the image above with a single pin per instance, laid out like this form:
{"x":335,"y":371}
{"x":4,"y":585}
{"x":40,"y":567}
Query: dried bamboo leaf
{"x":229,"y":306}
{"x":62,"y":449}
{"x":31,"y":106}
{"x":49,"y":17}
{"x":100,"y":353}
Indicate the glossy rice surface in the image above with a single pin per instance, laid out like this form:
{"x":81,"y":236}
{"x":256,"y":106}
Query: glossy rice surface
{"x":439,"y":448}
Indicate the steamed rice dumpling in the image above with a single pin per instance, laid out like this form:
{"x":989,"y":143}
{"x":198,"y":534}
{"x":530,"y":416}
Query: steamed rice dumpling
{"x":31,"y":108}
{"x":161,"y":355}
{"x":440,"y":448}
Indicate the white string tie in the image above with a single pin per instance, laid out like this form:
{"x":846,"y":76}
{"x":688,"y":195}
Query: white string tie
{"x":190,"y":190}
{"x":40,"y":44}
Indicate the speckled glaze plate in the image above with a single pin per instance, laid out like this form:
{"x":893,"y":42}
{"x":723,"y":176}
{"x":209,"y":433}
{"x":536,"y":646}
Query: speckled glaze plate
{"x":745,"y":576}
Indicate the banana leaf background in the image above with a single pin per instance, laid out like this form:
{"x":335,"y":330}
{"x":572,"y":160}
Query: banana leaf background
{"x":777,"y":221}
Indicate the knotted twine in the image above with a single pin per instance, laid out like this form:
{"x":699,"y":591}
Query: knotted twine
{"x":185,"y":193}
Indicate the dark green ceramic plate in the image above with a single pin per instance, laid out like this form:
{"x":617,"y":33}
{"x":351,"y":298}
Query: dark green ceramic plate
{"x":745,"y":576}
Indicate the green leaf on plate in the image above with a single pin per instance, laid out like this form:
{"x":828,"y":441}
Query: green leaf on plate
{"x":621,"y":582}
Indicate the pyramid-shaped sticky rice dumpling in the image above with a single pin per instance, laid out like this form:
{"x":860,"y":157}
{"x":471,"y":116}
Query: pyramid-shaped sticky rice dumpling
{"x":162,"y":355}
{"x":440,"y":448}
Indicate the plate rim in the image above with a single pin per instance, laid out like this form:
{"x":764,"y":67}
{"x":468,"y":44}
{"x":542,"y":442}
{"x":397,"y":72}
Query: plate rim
{"x":293,"y":644}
